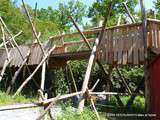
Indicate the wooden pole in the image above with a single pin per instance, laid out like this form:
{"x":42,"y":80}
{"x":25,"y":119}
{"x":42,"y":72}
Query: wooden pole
{"x":8,"y":57}
{"x":43,"y":76}
{"x":124,"y":81}
{"x":47,"y":108}
{"x":16,"y":45}
{"x":2,"y":22}
{"x":83,"y":36}
{"x":92,"y":57}
{"x":33,"y":28}
{"x":72,"y":76}
{"x":17,"y":73}
{"x":2,"y":44}
{"x":146,"y":71}
{"x":37,"y":68}
{"x":6,"y":63}
{"x":8,"y":60}
{"x":128,"y":12}
{"x":88,"y":72}
{"x":94,"y":86}
{"x":94,"y":107}
{"x":63,"y":97}
{"x":113,"y":93}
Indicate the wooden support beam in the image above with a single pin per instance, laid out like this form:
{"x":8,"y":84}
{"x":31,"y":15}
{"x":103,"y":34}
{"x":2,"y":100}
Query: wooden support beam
{"x":37,"y":68}
{"x":88,"y":72}
{"x":16,"y":45}
{"x":12,"y":38}
{"x":20,"y":106}
{"x":72,"y":76}
{"x":128,"y":12}
{"x":47,"y":108}
{"x":33,"y":28}
{"x":146,"y":52}
{"x":113,"y":93}
{"x":83,"y":36}
{"x":94,"y":86}
{"x":2,"y":44}
{"x":62,"y":97}
{"x":43,"y":77}
{"x":17,"y":73}
{"x":8,"y":60}
{"x":6,"y":63}
{"x":124,"y":81}
{"x":94,"y":107}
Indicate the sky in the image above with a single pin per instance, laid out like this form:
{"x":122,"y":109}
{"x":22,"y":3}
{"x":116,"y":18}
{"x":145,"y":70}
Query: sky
{"x":54,"y":3}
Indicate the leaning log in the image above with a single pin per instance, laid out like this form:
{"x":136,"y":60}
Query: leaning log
{"x":34,"y":72}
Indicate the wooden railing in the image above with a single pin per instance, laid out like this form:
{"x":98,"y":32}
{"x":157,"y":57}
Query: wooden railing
{"x":123,"y":44}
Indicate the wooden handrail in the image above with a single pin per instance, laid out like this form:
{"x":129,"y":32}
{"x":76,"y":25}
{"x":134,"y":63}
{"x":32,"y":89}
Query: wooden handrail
{"x":94,"y":31}
{"x":72,"y":43}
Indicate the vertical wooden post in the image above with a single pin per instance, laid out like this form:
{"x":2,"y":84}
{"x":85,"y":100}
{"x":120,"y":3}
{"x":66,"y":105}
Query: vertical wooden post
{"x":146,"y":72}
{"x":88,"y":72}
{"x":43,"y":77}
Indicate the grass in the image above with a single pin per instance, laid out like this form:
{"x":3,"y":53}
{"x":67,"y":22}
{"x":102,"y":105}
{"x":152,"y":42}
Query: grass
{"x":70,"y":114}
{"x":89,"y":114}
{"x":9,"y":99}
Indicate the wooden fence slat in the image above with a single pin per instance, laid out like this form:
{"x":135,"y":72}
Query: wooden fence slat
{"x":111,"y":46}
{"x":120,"y":47}
{"x":125,"y":46}
{"x":115,"y":45}
{"x":153,"y":35}
{"x":105,"y":46}
{"x":130,"y":50}
{"x":108,"y":45}
{"x":141,"y":49}
{"x":135,"y":49}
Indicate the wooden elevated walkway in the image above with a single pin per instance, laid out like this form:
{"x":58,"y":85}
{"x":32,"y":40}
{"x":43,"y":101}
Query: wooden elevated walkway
{"x":120,"y":45}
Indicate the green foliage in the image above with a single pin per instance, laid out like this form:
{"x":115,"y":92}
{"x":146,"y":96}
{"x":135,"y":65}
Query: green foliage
{"x":100,"y":9}
{"x":157,"y":9}
{"x":132,"y":75}
{"x":73,"y":115}
{"x":48,"y":21}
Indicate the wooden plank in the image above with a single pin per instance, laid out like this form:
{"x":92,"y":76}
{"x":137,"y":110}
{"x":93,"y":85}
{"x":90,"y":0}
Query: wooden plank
{"x":156,"y":35}
{"x":135,"y":49}
{"x":103,"y":43}
{"x":130,"y":49}
{"x":153,"y":35}
{"x":141,"y":49}
{"x":115,"y":46}
{"x":111,"y":47}
{"x":107,"y":45}
{"x":120,"y":47}
{"x":125,"y":44}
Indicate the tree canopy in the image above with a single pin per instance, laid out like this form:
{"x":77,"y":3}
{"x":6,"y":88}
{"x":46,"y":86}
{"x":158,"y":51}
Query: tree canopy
{"x":101,"y":7}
